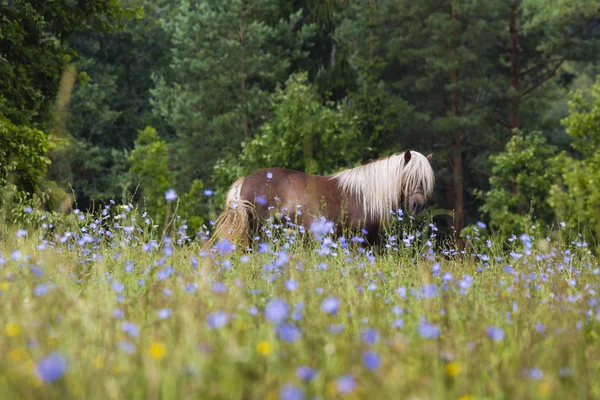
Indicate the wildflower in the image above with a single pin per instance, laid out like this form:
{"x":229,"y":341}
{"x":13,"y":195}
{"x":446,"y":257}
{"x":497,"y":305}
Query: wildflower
{"x":224,"y":246}
{"x":371,"y":360}
{"x":370,"y":336}
{"x":291,"y":392}
{"x":306,"y":374}
{"x":288,"y":333}
{"x":481,"y":225}
{"x":399,"y":323}
{"x":495,"y":333}
{"x":217,"y":320}
{"x":264,"y":348}
{"x":219,"y":287}
{"x":453,"y":368}
{"x":12,"y":329}
{"x":21,"y":233}
{"x":208,"y":192}
{"x":118,"y":313}
{"x":291,"y":284}
{"x":252,"y":310}
{"x":127,"y":346}
{"x":117,"y":287}
{"x":428,"y":330}
{"x":165,"y":273}
{"x":28,"y":210}
{"x":164,"y":313}
{"x":321,"y":228}
{"x":170,"y":195}
{"x":130,"y":328}
{"x":330,"y":305}
{"x":276,"y":311}
{"x":51,"y":368}
{"x":535,"y":374}
{"x":269,"y":175}
{"x":157,"y":350}
{"x":42,"y":289}
{"x":345,"y":384}
{"x":16,"y":255}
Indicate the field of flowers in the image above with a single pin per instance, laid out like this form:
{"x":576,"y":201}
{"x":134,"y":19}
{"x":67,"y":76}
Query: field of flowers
{"x":102,"y":308}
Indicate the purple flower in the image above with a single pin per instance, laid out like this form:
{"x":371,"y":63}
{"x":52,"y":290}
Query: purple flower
{"x":217,"y":320}
{"x":170,"y":195}
{"x":481,"y":225}
{"x":535,"y":374}
{"x":127,"y":346}
{"x":306,"y":374}
{"x":253,"y":311}
{"x":42,"y":289}
{"x":118,"y":313}
{"x":291,"y":392}
{"x":428,"y":330}
{"x":288,"y":333}
{"x":130,"y":328}
{"x":224,"y":246}
{"x":495,"y":333}
{"x":218,"y":287}
{"x":291,"y":284}
{"x":345,"y":384}
{"x":51,"y":368}
{"x":164,"y":313}
{"x":276,"y":311}
{"x":330,"y":305}
{"x":371,"y":360}
{"x":269,"y":175}
{"x":208,"y":192}
{"x":370,"y":336}
{"x":28,"y":210}
{"x":165,"y":273}
{"x":117,"y":287}
{"x":21,"y":233}
{"x":321,"y":228}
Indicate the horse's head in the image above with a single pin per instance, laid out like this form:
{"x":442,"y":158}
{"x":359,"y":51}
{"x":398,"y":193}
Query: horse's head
{"x":419,"y":180}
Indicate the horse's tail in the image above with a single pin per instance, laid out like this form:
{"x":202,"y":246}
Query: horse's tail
{"x":234,"y":222}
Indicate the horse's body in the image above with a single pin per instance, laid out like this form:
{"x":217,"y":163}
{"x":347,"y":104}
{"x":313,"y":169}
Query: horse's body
{"x":357,"y":198}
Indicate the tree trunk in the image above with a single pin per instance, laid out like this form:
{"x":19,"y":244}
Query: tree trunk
{"x":244,"y":80}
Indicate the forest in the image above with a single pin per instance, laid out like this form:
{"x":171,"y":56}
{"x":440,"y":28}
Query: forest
{"x":107,"y":100}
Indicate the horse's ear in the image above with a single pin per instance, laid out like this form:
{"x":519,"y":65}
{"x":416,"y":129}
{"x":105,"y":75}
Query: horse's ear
{"x":429,"y":156}
{"x":407,"y":156}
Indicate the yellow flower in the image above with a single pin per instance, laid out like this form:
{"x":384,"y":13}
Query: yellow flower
{"x":452,"y":369}
{"x":544,"y":388}
{"x":157,"y":350}
{"x":12,"y":329}
{"x":17,"y":354}
{"x":99,"y":362}
{"x":265,"y":348}
{"x":4,"y":286}
{"x":467,"y":397}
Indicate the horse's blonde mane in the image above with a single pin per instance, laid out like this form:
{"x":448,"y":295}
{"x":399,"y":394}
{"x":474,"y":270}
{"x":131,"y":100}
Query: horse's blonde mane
{"x":382,"y":183}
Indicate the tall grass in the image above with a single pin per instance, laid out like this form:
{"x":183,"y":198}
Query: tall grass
{"x":102,"y":308}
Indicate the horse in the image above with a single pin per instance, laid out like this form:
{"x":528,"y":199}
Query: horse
{"x":358,"y":198}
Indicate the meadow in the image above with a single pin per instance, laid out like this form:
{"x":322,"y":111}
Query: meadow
{"x":100,"y":307}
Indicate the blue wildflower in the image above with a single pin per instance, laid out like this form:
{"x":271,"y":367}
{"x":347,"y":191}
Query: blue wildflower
{"x":224,"y":246}
{"x":428,"y":330}
{"x":208,"y":192}
{"x":306,"y":374}
{"x":276,"y":311}
{"x":217,"y":320}
{"x":291,"y":284}
{"x":371,"y":360}
{"x":117,"y":287}
{"x":288,"y":333}
{"x":345,"y":384}
{"x":51,"y":368}
{"x":164,"y":313}
{"x":495,"y":333}
{"x":130,"y":328}
{"x":330,"y":305}
{"x":170,"y":195}
{"x":370,"y":336}
{"x":290,"y":392}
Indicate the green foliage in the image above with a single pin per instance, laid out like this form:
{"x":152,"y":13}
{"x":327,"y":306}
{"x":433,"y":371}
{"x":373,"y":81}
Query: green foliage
{"x":577,"y":197}
{"x":150,"y":168}
{"x":23,"y":154}
{"x":304,"y":134}
{"x":227,"y":57}
{"x":520,"y":185}
{"x":33,"y":52}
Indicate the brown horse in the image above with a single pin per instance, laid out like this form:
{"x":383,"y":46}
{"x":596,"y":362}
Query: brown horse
{"x":358,"y":198}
